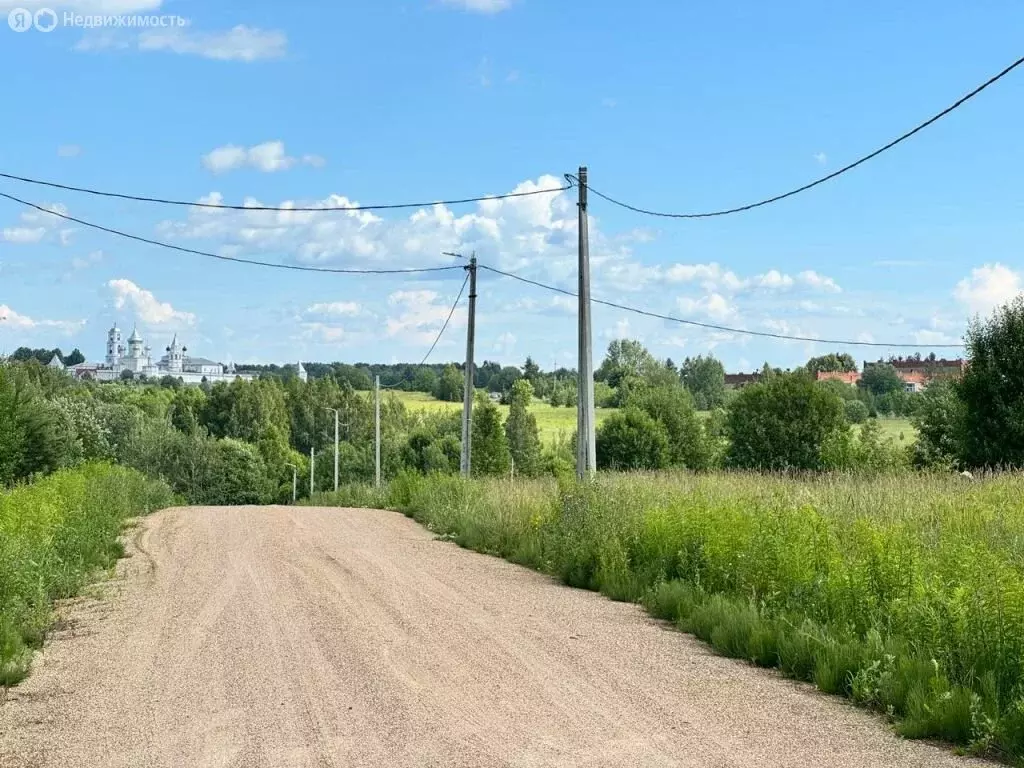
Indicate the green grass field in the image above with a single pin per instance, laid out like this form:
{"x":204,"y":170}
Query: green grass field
{"x":551,"y":422}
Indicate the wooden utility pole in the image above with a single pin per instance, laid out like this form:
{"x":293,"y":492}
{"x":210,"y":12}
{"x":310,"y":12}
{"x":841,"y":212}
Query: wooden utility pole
{"x":376,"y":426}
{"x":468,"y":391}
{"x":586,"y":443}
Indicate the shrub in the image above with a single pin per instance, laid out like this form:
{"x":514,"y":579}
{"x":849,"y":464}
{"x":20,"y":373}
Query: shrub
{"x":783,"y":423}
{"x":856,"y":411}
{"x":632,"y":440}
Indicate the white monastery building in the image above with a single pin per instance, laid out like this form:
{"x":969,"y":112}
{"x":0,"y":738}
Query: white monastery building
{"x":137,"y":358}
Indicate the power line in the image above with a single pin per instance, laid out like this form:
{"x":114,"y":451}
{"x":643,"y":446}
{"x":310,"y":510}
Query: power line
{"x":221,"y":257}
{"x":823,"y":179}
{"x":712,"y":326}
{"x":224,"y":206}
{"x":447,"y":320}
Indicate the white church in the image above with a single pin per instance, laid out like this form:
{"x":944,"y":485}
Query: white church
{"x":137,"y":358}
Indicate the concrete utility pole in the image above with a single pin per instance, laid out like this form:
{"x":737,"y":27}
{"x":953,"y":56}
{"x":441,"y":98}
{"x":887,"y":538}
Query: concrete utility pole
{"x":376,"y":419}
{"x":295,"y":482}
{"x":335,"y":411}
{"x":467,"y":396}
{"x":312,"y":467}
{"x":586,"y":441}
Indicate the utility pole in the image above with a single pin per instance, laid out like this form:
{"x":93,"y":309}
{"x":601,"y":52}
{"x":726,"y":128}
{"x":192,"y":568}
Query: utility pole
{"x":376,"y":420}
{"x":295,"y":482}
{"x":467,"y":396}
{"x":586,"y":442}
{"x":335,"y":410}
{"x":312,"y":467}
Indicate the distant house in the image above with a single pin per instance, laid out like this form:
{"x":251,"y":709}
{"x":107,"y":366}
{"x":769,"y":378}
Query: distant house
{"x":740,"y":380}
{"x":847,"y":377}
{"x":916,"y":374}
{"x":56,"y":363}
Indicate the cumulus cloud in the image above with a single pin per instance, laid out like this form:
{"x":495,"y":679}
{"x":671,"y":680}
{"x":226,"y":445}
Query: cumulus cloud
{"x":714,"y":277}
{"x":270,"y":156}
{"x":69,"y":150}
{"x":821,"y":158}
{"x":418,"y":315}
{"x":714,"y":306}
{"x":146,"y":306}
{"x":987,"y":287}
{"x":34,"y":226}
{"x":820,"y":282}
{"x":336,"y":308}
{"x":9,"y":319}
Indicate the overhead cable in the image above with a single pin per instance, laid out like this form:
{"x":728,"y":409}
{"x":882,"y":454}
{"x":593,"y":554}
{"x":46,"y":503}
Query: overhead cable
{"x":222,"y":257}
{"x":713,"y":326}
{"x":959,"y":102}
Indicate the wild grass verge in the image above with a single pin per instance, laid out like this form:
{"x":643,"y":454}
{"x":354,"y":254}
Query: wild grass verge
{"x":54,"y":534}
{"x":903,"y":592}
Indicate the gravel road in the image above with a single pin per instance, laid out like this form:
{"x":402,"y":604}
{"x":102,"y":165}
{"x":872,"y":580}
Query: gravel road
{"x":292,"y":637}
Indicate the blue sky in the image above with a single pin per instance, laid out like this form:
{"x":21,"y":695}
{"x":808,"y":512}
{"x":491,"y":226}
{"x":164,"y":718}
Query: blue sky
{"x":675,"y":106}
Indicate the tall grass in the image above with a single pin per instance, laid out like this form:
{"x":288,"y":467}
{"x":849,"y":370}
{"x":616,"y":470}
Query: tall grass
{"x":903,"y":592}
{"x":53,"y":535}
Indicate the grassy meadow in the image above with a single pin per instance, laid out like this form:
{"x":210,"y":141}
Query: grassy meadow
{"x":551,"y":421}
{"x":904,"y":592}
{"x":54,"y":534}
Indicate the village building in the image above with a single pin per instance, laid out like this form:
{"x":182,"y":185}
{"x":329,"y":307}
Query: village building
{"x":916,"y":373}
{"x":136,"y":358}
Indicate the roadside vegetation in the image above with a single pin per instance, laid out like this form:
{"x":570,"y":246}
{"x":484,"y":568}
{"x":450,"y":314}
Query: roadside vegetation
{"x":904,"y":592}
{"x":54,"y":535}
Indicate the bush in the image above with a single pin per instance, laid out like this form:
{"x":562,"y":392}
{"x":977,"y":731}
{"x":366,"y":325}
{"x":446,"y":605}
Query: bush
{"x":783,"y":423}
{"x":856,"y":411}
{"x":632,"y":439}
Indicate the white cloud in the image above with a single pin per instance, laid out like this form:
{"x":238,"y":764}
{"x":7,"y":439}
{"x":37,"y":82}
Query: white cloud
{"x":988,"y":287}
{"x":516,"y":233}
{"x":479,"y":6}
{"x":773,"y":280}
{"x":146,"y":306}
{"x":812,"y":279}
{"x":9,"y":319}
{"x":337,"y":308}
{"x":929,"y":336}
{"x":241,"y":43}
{"x":35,"y":225}
{"x":609,"y":103}
{"x":419,"y":315}
{"x":821,"y":158}
{"x":714,"y":305}
{"x":24,"y":235}
{"x":69,"y":150}
{"x":270,"y":156}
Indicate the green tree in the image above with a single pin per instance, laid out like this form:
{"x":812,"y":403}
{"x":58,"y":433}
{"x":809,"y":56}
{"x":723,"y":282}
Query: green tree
{"x":490,"y":452}
{"x":450,"y":386}
{"x":672,"y":407}
{"x":992,"y":389}
{"x":521,"y":431}
{"x":834,"y":362}
{"x":940,"y":421}
{"x":425,"y":381}
{"x":881,"y":379}
{"x":632,"y":440}
{"x":704,"y":378}
{"x":783,"y":423}
{"x":531,"y":371}
{"x":626,"y":357}
{"x":75,"y":358}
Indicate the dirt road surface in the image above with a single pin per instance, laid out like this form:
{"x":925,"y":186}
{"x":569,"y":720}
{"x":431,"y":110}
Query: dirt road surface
{"x":266,"y":637}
